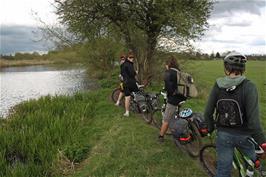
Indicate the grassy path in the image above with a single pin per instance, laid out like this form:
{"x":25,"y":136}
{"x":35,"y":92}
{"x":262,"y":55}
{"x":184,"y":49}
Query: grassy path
{"x":129,"y":147}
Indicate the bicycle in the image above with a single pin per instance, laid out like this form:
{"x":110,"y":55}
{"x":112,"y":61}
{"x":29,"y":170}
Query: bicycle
{"x":243,"y":166}
{"x":190,"y":140}
{"x":120,"y":88}
{"x":158,"y":113}
{"x":193,"y":142}
{"x":116,"y":92}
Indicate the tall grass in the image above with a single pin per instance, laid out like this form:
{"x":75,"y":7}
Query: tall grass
{"x":41,"y":133}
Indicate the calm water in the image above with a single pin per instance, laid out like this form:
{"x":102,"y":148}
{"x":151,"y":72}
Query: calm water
{"x":23,"y":83}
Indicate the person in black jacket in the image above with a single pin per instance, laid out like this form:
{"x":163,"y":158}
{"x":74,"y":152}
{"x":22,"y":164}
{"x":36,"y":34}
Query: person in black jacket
{"x":121,"y":76}
{"x":173,"y":98}
{"x":129,"y":81}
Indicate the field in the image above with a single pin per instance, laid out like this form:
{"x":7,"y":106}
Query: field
{"x":86,"y":135}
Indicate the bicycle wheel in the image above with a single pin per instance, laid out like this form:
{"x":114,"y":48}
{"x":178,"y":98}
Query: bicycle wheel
{"x":157,"y":119}
{"x":194,"y":146}
{"x":115,"y":95}
{"x":146,"y":113}
{"x":208,"y":159}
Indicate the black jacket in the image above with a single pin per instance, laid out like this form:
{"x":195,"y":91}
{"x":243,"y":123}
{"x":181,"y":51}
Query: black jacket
{"x":122,"y":69}
{"x":129,"y":72}
{"x":170,"y":81}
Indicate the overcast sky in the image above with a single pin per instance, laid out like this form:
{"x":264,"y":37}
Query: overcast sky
{"x":234,"y":25}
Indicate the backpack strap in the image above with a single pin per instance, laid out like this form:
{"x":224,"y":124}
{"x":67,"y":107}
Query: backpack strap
{"x":178,"y":74}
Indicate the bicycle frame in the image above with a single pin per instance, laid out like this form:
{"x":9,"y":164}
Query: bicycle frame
{"x":242,"y":167}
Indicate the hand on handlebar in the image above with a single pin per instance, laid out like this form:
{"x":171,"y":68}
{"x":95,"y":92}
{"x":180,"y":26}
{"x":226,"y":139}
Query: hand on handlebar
{"x":263,"y":146}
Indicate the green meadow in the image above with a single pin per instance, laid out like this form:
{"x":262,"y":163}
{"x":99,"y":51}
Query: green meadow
{"x":86,"y":135}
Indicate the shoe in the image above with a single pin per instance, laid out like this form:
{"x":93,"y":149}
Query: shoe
{"x":160,"y":139}
{"x":126,"y":114}
{"x":117,"y":103}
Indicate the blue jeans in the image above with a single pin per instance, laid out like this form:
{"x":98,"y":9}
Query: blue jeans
{"x":225,"y":144}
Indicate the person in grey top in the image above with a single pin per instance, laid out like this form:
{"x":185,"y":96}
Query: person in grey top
{"x":234,"y":100}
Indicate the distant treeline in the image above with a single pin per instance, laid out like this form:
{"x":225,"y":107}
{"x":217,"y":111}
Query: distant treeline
{"x":75,"y":53}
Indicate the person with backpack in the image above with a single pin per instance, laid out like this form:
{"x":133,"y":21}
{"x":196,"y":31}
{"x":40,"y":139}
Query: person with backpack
{"x":121,"y":76}
{"x":130,"y":83}
{"x":234,"y":100}
{"x":173,"y":97}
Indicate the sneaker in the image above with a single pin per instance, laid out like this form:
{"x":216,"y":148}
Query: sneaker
{"x":126,"y":114}
{"x":160,"y":139}
{"x":117,"y":103}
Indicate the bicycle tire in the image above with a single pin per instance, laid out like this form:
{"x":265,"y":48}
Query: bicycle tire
{"x":147,"y":115}
{"x":157,"y":119}
{"x":115,"y":95}
{"x":208,"y":159}
{"x":193,"y":148}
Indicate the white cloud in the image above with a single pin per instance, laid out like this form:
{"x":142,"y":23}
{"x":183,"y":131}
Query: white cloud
{"x":242,"y":31}
{"x":19,"y":12}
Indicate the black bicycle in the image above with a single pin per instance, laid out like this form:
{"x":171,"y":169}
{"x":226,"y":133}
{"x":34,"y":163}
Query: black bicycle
{"x":158,"y":112}
{"x":196,"y":128}
{"x":188,"y":130}
{"x":243,"y":166}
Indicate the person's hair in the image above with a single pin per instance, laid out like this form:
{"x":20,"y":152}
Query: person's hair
{"x":130,"y":54}
{"x":236,"y":69}
{"x":122,"y":56}
{"x":171,"y":62}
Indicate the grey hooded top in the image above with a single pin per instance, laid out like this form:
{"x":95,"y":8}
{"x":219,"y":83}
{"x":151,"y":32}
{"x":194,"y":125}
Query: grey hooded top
{"x":251,"y":105}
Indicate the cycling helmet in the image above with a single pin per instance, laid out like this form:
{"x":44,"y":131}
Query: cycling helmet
{"x":235,"y":58}
{"x":185,"y":113}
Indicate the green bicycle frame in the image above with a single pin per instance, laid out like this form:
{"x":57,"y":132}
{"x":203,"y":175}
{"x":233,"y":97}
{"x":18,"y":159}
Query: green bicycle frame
{"x":241,"y":162}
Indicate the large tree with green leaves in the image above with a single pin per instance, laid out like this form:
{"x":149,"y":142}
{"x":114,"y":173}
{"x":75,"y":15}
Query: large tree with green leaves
{"x":140,"y":23}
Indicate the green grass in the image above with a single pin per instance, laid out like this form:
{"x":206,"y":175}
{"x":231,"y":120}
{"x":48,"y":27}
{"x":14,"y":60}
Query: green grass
{"x":86,"y":135}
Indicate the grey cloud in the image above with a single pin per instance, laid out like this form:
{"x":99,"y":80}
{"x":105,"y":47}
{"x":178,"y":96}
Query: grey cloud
{"x":258,"y":42}
{"x":214,"y":40}
{"x":241,"y":23}
{"x":225,"y":8}
{"x":20,"y":38}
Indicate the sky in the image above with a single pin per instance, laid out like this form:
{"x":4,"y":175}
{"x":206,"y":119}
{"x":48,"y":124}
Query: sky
{"x":238,"y":25}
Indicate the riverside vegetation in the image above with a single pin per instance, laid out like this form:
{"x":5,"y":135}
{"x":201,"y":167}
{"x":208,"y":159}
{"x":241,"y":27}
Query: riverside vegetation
{"x":86,"y":135}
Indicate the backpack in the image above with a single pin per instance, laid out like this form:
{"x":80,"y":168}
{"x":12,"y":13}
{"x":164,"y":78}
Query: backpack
{"x":201,"y":124}
{"x":229,"y":106}
{"x":185,"y":84}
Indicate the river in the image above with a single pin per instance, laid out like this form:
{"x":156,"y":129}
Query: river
{"x":20,"y":84}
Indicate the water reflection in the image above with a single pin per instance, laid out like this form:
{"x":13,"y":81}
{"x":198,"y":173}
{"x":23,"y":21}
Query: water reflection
{"x":23,"y":83}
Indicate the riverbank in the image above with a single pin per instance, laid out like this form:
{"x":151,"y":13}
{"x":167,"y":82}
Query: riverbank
{"x":10,"y":63}
{"x":52,"y":135}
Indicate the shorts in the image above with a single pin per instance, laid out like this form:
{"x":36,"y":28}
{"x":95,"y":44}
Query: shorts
{"x":130,"y":87}
{"x":169,"y":112}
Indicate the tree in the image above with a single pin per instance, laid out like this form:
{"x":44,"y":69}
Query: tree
{"x":140,"y":23}
{"x":217,"y":55}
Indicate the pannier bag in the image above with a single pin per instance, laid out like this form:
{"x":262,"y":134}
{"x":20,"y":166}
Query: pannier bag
{"x":141,"y":101}
{"x":180,"y":130}
{"x":185,"y":84}
{"x":201,"y":124}
{"x":154,"y":100}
